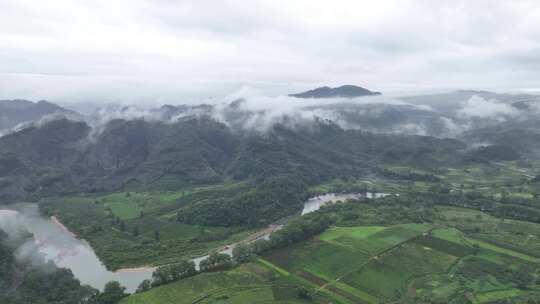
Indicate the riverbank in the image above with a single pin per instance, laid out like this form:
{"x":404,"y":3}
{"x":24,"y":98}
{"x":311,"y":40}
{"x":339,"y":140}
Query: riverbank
{"x":136,"y":269}
{"x":56,"y":243}
{"x":55,"y":220}
{"x":88,"y":268}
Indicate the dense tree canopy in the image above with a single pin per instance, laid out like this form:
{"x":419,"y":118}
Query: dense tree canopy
{"x":112,"y":293}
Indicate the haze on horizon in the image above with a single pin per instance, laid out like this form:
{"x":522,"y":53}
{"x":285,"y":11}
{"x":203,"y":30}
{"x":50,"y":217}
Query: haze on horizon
{"x":142,"y":51}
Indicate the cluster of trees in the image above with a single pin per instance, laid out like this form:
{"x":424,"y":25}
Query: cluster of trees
{"x":409,"y":175}
{"x":494,"y":153}
{"x":112,"y":293}
{"x":184,"y":269}
{"x":301,"y":229}
{"x":169,"y":273}
{"x":243,"y":252}
{"x":268,"y":201}
{"x":215,"y":262}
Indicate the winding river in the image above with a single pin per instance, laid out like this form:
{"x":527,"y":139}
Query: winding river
{"x":59,"y":245}
{"x":56,"y":243}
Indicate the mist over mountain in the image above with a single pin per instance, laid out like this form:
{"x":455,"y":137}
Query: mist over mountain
{"x":257,"y":137}
{"x":442,"y":115}
{"x":251,"y":163}
{"x":18,"y":111}
{"x":269,"y":152}
{"x":59,"y":157}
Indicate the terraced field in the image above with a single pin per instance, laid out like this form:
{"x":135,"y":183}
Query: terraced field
{"x":251,"y":283}
{"x":337,"y":258}
{"x":411,"y":261}
{"x":462,"y":256}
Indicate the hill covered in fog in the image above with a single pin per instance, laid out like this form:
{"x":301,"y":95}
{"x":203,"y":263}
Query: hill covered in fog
{"x":15,"y":112}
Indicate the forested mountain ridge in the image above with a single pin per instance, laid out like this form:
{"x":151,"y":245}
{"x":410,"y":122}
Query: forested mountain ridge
{"x":170,"y":147}
{"x":63,"y":156}
{"x":17,"y":111}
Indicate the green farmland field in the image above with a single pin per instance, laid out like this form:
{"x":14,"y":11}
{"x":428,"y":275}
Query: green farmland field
{"x":247,"y":284}
{"x":376,"y":264}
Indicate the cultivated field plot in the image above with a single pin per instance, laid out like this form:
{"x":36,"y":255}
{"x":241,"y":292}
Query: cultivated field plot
{"x":250,"y":283}
{"x":410,"y":262}
{"x":340,"y":254}
{"x":389,"y":274}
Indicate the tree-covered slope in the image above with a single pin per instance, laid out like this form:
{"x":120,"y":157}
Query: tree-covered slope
{"x":66,"y":156}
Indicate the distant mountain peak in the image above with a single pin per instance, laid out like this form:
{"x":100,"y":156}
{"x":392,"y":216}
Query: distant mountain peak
{"x":344,"y":91}
{"x":17,"y":111}
{"x":475,"y":92}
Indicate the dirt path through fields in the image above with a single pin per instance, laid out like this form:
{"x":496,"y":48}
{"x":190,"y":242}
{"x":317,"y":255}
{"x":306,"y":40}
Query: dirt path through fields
{"x":375,"y":257}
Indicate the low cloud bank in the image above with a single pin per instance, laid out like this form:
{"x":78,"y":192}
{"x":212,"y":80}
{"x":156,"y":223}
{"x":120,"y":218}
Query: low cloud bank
{"x":477,"y":106}
{"x":27,"y":228}
{"x":13,"y":223}
{"x":259,"y":113}
{"x":249,"y":111}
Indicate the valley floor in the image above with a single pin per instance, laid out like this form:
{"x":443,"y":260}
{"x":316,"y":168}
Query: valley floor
{"x":374,"y":254}
{"x":407,"y":263}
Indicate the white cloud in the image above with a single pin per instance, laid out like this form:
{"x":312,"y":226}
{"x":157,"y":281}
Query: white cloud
{"x":477,"y":106}
{"x":141,"y":50}
{"x":452,"y":128}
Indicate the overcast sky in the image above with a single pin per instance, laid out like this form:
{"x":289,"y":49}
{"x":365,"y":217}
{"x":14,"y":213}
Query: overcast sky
{"x":183,"y":51}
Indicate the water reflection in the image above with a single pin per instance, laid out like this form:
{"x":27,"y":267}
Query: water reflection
{"x":62,"y":247}
{"x":315,"y":203}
